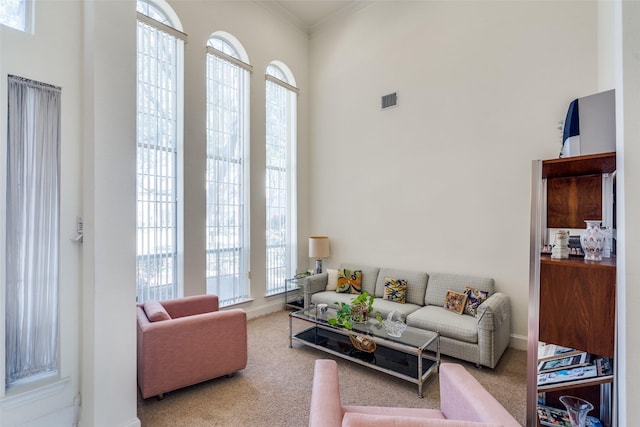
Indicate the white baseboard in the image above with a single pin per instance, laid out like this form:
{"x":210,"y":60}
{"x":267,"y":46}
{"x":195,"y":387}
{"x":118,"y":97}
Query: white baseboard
{"x":271,"y":307}
{"x":519,"y":342}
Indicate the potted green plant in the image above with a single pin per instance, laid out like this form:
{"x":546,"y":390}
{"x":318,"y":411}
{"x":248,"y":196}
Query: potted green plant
{"x":357,"y":311}
{"x":361,"y":306}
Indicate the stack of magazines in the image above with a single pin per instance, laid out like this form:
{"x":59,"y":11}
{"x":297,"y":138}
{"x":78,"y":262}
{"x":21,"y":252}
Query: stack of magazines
{"x":560,"y":364}
{"x":549,"y":416}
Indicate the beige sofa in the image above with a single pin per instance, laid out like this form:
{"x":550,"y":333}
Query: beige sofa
{"x":480,"y":339}
{"x":463,"y":403}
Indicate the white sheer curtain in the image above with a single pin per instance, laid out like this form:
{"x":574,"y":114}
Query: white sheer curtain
{"x":33,"y":188}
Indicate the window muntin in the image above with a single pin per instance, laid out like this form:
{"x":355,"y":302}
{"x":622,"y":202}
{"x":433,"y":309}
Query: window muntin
{"x":227,"y":173}
{"x":280,"y":179}
{"x":159,"y":133}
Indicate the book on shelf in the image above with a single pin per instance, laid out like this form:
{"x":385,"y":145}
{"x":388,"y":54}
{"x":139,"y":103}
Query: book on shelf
{"x":549,"y":351}
{"x":549,"y":416}
{"x":604,"y":366}
{"x":564,"y":362}
{"x":564,"y":375}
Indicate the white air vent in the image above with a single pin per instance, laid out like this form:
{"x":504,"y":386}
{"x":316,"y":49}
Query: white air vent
{"x":389,"y":101}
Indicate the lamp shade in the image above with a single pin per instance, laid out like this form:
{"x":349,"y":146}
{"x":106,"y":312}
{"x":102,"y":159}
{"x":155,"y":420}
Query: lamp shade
{"x":318,"y":247}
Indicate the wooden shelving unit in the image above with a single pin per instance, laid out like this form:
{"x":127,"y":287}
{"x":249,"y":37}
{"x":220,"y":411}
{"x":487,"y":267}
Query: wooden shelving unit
{"x":572,"y":301}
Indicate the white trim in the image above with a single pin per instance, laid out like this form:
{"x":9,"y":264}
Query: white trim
{"x":162,"y":27}
{"x":279,"y":82}
{"x":215,"y":52}
{"x":20,"y":397}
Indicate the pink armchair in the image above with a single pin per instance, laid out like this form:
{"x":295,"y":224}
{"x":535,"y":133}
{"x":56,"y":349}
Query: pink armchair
{"x":185,"y":341}
{"x":463,"y":403}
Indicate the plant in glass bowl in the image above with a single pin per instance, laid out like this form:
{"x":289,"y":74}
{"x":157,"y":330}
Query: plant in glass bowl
{"x":361,"y":306}
{"x":357,"y":310}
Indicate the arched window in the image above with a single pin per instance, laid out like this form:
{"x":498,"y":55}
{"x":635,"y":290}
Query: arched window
{"x":280,"y":187}
{"x":227,"y":172}
{"x":159,"y":151}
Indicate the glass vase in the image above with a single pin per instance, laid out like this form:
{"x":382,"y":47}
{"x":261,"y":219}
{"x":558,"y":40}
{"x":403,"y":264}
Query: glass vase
{"x":577,"y":409}
{"x":592,"y":241}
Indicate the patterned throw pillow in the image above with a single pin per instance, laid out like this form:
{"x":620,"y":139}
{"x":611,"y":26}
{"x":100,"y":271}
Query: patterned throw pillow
{"x":349,"y":281}
{"x":455,"y":301}
{"x":475,"y":297}
{"x":395,"y":290}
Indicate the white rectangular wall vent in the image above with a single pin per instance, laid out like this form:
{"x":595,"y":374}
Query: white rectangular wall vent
{"x":389,"y":101}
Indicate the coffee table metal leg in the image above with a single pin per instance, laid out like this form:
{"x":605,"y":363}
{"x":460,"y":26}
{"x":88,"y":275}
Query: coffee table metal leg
{"x":290,"y":331}
{"x":420,"y":395}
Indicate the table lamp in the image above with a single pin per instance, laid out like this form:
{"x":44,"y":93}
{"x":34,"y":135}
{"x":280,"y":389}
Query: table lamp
{"x":318,"y":249}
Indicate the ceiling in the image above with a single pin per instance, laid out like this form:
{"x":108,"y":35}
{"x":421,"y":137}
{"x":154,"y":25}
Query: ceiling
{"x":310,"y":13}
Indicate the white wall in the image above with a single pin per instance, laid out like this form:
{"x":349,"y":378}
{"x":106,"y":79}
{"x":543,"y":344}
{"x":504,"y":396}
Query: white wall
{"x":266,"y":37}
{"x":109,"y":389}
{"x":442,"y":183}
{"x":50,"y":55}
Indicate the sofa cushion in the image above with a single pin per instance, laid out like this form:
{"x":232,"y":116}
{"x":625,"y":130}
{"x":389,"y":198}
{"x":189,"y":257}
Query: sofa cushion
{"x":369,"y":276}
{"x":332,"y":280}
{"x":450,"y":324}
{"x":384,"y":307}
{"x":331,"y":297}
{"x":440,"y":283}
{"x":455,"y":301}
{"x":155,"y":311}
{"x":393,"y":411}
{"x":395,"y":290}
{"x":353,"y":419}
{"x":416,"y":283}
{"x":475,"y":297}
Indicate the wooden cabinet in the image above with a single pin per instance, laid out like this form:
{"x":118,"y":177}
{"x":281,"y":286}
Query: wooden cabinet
{"x":572,"y":301}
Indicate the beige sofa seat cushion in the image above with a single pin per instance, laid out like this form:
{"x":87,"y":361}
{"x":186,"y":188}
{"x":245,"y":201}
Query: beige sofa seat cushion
{"x":385,"y":307}
{"x":416,"y":283}
{"x":331,"y":297}
{"x":440,"y":283}
{"x":448,"y":323}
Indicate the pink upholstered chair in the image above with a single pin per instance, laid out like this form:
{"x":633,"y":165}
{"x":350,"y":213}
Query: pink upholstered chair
{"x":185,"y":341}
{"x":463,"y":403}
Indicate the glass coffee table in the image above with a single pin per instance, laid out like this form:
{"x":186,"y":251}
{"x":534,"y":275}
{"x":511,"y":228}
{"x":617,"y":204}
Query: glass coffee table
{"x":413,"y":356}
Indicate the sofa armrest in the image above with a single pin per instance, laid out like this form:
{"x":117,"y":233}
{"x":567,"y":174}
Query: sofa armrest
{"x":189,"y":306}
{"x":462,"y":397}
{"x":314,"y":283}
{"x":326,"y":408}
{"x":495,"y":311}
{"x":494,"y":328}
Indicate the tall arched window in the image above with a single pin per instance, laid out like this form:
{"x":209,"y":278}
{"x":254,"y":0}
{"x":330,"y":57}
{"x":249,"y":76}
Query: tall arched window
{"x":159,"y":151}
{"x":280,"y":186}
{"x":227,"y":172}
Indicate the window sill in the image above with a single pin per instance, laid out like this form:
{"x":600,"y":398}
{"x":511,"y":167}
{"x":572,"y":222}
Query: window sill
{"x":236,"y":303}
{"x":26,"y":394}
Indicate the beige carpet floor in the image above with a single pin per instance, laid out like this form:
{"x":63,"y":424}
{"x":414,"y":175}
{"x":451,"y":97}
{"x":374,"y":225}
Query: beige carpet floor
{"x":275,"y":388}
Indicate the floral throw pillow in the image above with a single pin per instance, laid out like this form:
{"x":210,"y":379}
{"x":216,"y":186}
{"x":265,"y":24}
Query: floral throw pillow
{"x":395,"y":290}
{"x":455,"y":301}
{"x":349,"y":281}
{"x":475,"y":297}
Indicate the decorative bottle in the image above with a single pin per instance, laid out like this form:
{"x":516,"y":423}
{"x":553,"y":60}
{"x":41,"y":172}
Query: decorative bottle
{"x":592,"y":241}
